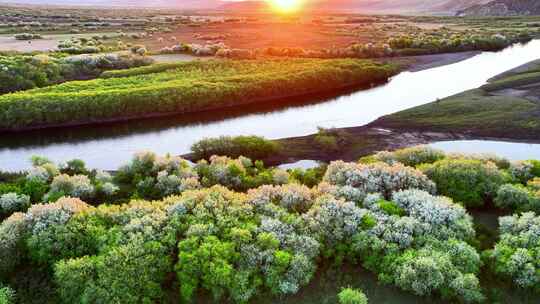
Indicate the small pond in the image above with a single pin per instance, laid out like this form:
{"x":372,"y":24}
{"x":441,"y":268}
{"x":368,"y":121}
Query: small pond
{"x":510,"y":150}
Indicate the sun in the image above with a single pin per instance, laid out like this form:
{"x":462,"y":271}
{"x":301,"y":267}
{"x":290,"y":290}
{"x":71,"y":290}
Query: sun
{"x":286,"y":6}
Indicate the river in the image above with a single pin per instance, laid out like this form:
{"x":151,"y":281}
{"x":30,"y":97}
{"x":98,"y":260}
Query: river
{"x":108,"y":146}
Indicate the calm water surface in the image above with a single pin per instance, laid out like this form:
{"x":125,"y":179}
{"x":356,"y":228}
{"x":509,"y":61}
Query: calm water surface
{"x":509,"y":150}
{"x":108,"y":146}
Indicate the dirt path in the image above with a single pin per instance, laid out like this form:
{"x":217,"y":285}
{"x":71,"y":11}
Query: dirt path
{"x":47,"y":43}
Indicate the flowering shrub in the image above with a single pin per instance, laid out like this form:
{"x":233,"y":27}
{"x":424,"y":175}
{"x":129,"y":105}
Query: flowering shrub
{"x":470,"y":182}
{"x":293,"y":198}
{"x":155,"y":177}
{"x":38,"y":219}
{"x":521,"y":171}
{"x":11,"y":242}
{"x":334,"y":222}
{"x":230,"y":253}
{"x":515,"y":256}
{"x":412,"y":156}
{"x":75,"y":186}
{"x":73,"y":167}
{"x":517,"y":197}
{"x":238,"y":174}
{"x":13,"y":202}
{"x":236,"y":246}
{"x":375,"y":178}
{"x":423,"y":248}
{"x":439,"y":216}
{"x":500,"y":162}
{"x":135,"y":271}
{"x":426,"y":270}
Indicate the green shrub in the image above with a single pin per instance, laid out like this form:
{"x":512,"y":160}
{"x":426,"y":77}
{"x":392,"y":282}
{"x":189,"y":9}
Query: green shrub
{"x":74,"y":167}
{"x":10,"y":188}
{"x":518,"y":198}
{"x":412,"y":156}
{"x":254,"y":147}
{"x":7,"y":295}
{"x":151,"y":69}
{"x":132,"y":273}
{"x":515,"y":256}
{"x":23,"y":72}
{"x":197,"y":86}
{"x":309,"y":177}
{"x":469,"y":182}
{"x":391,"y":208}
{"x":352,"y":296}
{"x":238,"y":174}
{"x":330,"y":139}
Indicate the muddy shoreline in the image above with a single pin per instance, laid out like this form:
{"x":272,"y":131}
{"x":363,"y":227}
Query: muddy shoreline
{"x":367,"y":140}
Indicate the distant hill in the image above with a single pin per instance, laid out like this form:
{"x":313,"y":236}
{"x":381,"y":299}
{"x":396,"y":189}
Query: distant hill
{"x":410,"y":6}
{"x":447,"y":7}
{"x":504,"y":8}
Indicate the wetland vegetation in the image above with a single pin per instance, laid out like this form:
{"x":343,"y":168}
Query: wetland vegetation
{"x":381,"y":220}
{"x":191,"y":87}
{"x":235,"y":230}
{"x":506,"y":107}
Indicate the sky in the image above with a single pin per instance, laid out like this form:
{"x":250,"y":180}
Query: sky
{"x":388,"y":6}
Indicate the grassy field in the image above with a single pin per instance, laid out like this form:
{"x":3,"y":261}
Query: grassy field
{"x":505,"y":107}
{"x":188,"y":87}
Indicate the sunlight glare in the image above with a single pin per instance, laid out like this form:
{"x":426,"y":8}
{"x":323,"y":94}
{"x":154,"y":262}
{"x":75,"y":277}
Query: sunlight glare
{"x":286,"y":6}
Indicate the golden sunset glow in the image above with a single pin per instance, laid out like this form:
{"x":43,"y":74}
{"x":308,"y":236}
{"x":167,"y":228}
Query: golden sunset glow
{"x":286,"y":6}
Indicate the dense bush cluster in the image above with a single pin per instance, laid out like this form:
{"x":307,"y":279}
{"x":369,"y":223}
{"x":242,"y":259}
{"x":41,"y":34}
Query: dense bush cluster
{"x":27,"y":36}
{"x":238,"y":246}
{"x":13,"y":202}
{"x":523,"y":194}
{"x":473,"y":180}
{"x":233,"y":230}
{"x":445,"y":42}
{"x":411,"y":157}
{"x":194,"y":49}
{"x":146,"y":176}
{"x":355,"y":181}
{"x":516,"y":255}
{"x":22,"y":72}
{"x":89,"y":45}
{"x":468,"y":181}
{"x":196,"y":86}
{"x":47,"y":182}
{"x":238,"y":174}
{"x":402,"y":45}
{"x":254,"y":147}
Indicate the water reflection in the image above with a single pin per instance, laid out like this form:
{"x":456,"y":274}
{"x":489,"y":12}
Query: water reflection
{"x":510,"y":150}
{"x":108,"y":145}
